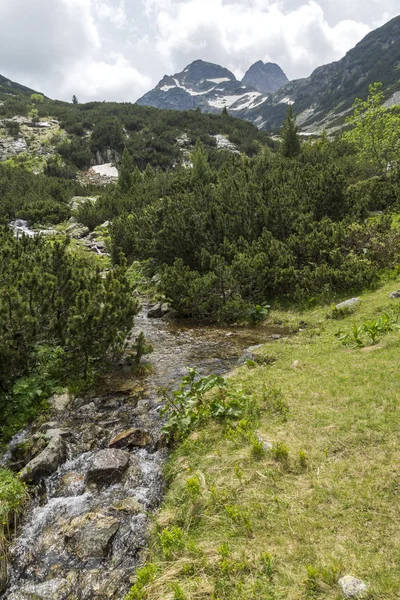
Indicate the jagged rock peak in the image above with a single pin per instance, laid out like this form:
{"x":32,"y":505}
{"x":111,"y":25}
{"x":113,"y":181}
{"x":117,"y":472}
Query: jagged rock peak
{"x":265,"y":77}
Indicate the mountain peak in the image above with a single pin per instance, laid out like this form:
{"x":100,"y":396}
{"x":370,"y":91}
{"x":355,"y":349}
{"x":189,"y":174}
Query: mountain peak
{"x":265,"y":77}
{"x":200,"y":70}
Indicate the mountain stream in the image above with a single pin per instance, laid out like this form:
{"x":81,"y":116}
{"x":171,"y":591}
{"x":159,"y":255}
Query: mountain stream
{"x":87,"y":523}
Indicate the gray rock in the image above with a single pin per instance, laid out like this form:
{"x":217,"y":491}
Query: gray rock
{"x":90,"y":535}
{"x":131,"y":438}
{"x":348,"y":303}
{"x":61,"y":401}
{"x":249,"y":354}
{"x":265,"y":444}
{"x":352,"y":587}
{"x":155,"y":312}
{"x":51,"y":433}
{"x":11,"y":147}
{"x":45,"y":463}
{"x":77,"y":231}
{"x":88,"y":409}
{"x":394,"y":295}
{"x":108,"y":466}
{"x":50,"y":425}
{"x":144,"y":406}
{"x":56,"y":589}
{"x":78,"y":201}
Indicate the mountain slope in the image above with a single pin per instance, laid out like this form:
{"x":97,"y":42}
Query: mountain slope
{"x":8,"y":86}
{"x":212,"y":88}
{"x":323,"y":99}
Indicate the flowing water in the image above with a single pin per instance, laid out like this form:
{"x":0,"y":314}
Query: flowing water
{"x":81,"y":537}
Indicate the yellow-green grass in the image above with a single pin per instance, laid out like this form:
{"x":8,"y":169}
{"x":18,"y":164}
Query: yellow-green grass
{"x":242,"y":524}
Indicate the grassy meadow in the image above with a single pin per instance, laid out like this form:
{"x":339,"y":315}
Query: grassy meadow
{"x":282,"y":504}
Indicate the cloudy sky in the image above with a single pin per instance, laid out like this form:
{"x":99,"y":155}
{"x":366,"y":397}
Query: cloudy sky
{"x":119,"y":49}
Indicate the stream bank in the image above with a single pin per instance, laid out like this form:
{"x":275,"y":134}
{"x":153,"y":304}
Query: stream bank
{"x":87,"y":523}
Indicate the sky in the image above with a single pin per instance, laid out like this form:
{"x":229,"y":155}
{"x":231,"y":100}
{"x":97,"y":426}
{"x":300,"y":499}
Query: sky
{"x":119,"y":49}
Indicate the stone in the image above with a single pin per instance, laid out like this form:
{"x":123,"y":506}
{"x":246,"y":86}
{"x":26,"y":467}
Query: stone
{"x":56,"y":589}
{"x":155,"y":312}
{"x":131,"y":438}
{"x":50,"y":425}
{"x":394,"y":295}
{"x":51,"y":433}
{"x":294,"y":364}
{"x":143,"y":407}
{"x":129,"y":505}
{"x":249,"y":354}
{"x":77,"y":231}
{"x":78,"y":201}
{"x":348,"y":303}
{"x":165,"y":308}
{"x":108,"y":466}
{"x":352,"y":587}
{"x":45,"y":463}
{"x":265,"y":444}
{"x":61,"y":402}
{"x":90,"y":535}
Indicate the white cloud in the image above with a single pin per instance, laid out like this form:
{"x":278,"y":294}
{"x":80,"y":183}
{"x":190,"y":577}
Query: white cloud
{"x":116,"y":15}
{"x":117,"y":49}
{"x":114,"y":79}
{"x":240,"y":34}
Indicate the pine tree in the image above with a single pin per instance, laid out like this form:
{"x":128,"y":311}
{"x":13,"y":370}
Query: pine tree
{"x":126,"y":172}
{"x":201,"y":169}
{"x":290,"y":136}
{"x":74,"y":99}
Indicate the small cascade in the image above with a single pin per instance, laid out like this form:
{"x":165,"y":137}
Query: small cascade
{"x":87,"y":523}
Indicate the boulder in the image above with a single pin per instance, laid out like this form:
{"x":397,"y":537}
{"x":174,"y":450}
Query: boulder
{"x":56,"y":589}
{"x":129,"y":505}
{"x":90,"y":535}
{"x":51,"y":433}
{"x":108,"y":466}
{"x":61,"y":402}
{"x":347,"y":303}
{"x":131,"y":438}
{"x":158,"y":310}
{"x":394,"y":295}
{"x":352,"y":587}
{"x":45,"y":463}
{"x":249,"y":354}
{"x":78,"y":201}
{"x":155,"y":312}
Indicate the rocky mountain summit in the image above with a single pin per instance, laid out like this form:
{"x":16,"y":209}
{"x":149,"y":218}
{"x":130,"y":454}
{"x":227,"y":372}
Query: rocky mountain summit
{"x":324,"y":99}
{"x":212,"y":88}
{"x":266,"y":78}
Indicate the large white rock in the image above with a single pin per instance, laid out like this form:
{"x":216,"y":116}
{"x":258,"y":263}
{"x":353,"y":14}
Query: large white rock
{"x":352,"y":587}
{"x":348,"y":303}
